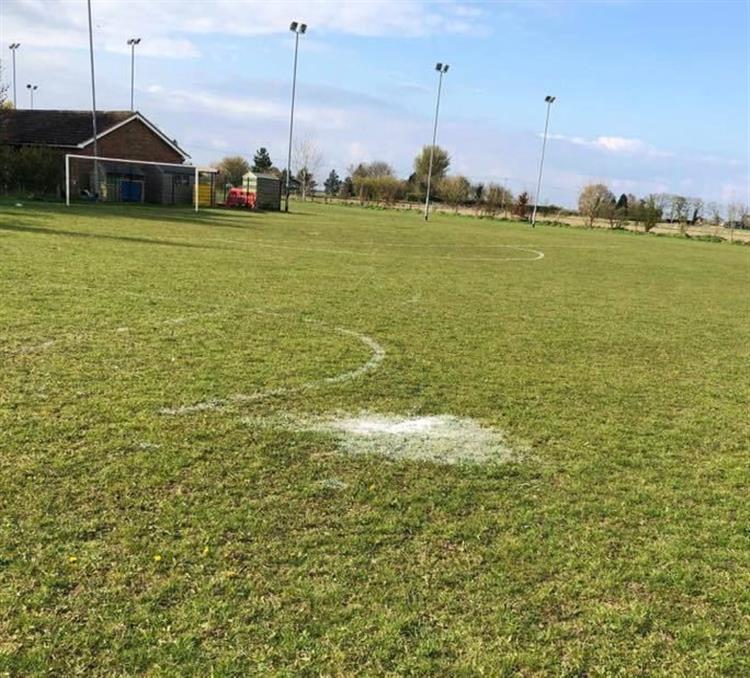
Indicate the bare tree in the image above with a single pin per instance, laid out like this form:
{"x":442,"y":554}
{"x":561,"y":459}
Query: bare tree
{"x":713,"y":209}
{"x":695,"y":210}
{"x":308,"y":159}
{"x":593,"y":201}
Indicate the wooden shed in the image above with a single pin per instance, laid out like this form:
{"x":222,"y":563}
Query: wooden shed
{"x":267,"y":189}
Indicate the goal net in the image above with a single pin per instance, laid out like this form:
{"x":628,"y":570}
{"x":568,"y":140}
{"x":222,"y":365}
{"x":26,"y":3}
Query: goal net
{"x":96,"y":178}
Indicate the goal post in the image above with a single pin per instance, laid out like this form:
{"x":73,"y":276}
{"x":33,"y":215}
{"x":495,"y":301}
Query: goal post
{"x":126,"y":180}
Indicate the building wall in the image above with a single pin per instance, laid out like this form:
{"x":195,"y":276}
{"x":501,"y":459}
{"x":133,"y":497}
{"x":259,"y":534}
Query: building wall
{"x":134,"y":141}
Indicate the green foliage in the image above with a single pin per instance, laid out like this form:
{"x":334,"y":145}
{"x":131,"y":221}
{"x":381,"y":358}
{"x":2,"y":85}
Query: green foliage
{"x":455,"y":191}
{"x":332,"y":184}
{"x":440,"y":164}
{"x":306,"y":181}
{"x":385,"y":189}
{"x":232,"y":169}
{"x":522,"y":205}
{"x":347,"y":188}
{"x":262,"y":160}
{"x":230,"y":542}
{"x":31,"y":170}
{"x":496,"y":199}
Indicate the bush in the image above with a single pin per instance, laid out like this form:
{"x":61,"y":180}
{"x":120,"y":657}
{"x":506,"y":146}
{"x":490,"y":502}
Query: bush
{"x":31,"y":169}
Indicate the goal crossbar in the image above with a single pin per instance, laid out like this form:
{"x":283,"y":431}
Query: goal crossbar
{"x":198,"y":170}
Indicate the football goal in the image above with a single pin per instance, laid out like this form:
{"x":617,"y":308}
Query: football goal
{"x":99,"y":178}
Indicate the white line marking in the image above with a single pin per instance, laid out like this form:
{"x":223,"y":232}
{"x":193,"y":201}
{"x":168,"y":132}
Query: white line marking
{"x":374,"y":253}
{"x":377,"y":357}
{"x":30,"y":348}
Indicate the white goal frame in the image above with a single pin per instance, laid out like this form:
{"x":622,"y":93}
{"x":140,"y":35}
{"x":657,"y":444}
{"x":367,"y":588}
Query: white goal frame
{"x":198,"y":170}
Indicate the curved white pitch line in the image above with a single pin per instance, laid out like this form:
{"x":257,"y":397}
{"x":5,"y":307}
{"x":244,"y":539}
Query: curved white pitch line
{"x":377,"y":357}
{"x":374,"y":253}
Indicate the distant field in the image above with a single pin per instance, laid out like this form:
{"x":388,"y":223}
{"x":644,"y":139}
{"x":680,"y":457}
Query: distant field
{"x":344,"y":441}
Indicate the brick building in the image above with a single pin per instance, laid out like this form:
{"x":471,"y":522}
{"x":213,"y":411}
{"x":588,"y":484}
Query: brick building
{"x":127,"y":135}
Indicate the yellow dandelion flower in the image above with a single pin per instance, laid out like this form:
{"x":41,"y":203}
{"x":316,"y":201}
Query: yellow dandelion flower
{"x":72,"y":559}
{"x":157,"y":557}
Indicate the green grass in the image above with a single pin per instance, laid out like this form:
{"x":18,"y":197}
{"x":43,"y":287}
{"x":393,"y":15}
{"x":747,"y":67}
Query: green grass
{"x":133,"y":542}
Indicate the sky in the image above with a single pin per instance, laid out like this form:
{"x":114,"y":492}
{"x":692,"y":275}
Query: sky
{"x":652,"y":96}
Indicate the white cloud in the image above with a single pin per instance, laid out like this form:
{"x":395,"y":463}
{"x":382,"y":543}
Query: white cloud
{"x":172,"y":27}
{"x":614,"y":144}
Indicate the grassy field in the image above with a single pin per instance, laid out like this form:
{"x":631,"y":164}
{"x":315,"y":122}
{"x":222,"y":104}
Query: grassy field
{"x":167,"y":507}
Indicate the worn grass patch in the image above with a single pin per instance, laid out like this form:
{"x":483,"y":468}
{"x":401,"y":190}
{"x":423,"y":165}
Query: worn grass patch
{"x":137,"y":542}
{"x":439,"y":439}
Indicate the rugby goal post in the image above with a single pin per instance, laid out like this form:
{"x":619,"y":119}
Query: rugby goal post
{"x":129,"y":163}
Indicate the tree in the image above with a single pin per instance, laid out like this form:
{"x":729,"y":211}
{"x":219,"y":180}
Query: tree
{"x":522,"y":205}
{"x":364,"y":178}
{"x":695,"y":210}
{"x":477,"y":192}
{"x":4,"y":87}
{"x":306,"y":181}
{"x":307,"y":160}
{"x":647,"y":211}
{"x":609,"y":211}
{"x":347,"y":188}
{"x":496,"y":198}
{"x":262,"y":160}
{"x":440,"y":164}
{"x":456,"y":191}
{"x":332,"y":184}
{"x":232,"y":169}
{"x":376,"y":168}
{"x":593,"y":200}
{"x":714,"y":213}
{"x":620,"y":211}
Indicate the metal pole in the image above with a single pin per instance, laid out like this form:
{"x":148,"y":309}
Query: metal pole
{"x":13,"y":52}
{"x":67,"y":180}
{"x":93,"y":102}
{"x":541,"y":163}
{"x":31,"y":92}
{"x":432,"y":149}
{"x":132,"y":72}
{"x":291,"y":122}
{"x":197,"y":179}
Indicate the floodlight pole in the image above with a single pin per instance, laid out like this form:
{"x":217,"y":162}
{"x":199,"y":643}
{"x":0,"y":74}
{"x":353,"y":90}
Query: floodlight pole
{"x":549,"y":99}
{"x":297,"y":29}
{"x":442,"y":69}
{"x":93,"y":101}
{"x":132,"y":42}
{"x":13,"y":47}
{"x":32,"y":89}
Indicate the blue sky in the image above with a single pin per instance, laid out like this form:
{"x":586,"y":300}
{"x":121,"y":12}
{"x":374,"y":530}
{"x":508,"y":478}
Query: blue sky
{"x":652,"y":96}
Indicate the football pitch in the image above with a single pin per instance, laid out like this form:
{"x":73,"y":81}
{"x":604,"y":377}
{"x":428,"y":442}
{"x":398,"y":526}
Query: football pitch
{"x":344,"y":441}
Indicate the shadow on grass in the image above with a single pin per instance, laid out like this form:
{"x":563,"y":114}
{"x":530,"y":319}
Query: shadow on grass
{"x":21,"y":228}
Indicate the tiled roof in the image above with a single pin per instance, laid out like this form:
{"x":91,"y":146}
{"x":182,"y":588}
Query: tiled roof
{"x":55,"y":128}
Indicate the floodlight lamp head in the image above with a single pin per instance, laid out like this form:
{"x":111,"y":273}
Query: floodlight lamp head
{"x":549,"y":99}
{"x":445,"y":68}
{"x":438,"y":66}
{"x":293,"y":26}
{"x":302,"y":28}
{"x":15,"y":45}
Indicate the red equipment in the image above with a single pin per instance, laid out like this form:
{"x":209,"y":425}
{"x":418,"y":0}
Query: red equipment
{"x":239,"y":197}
